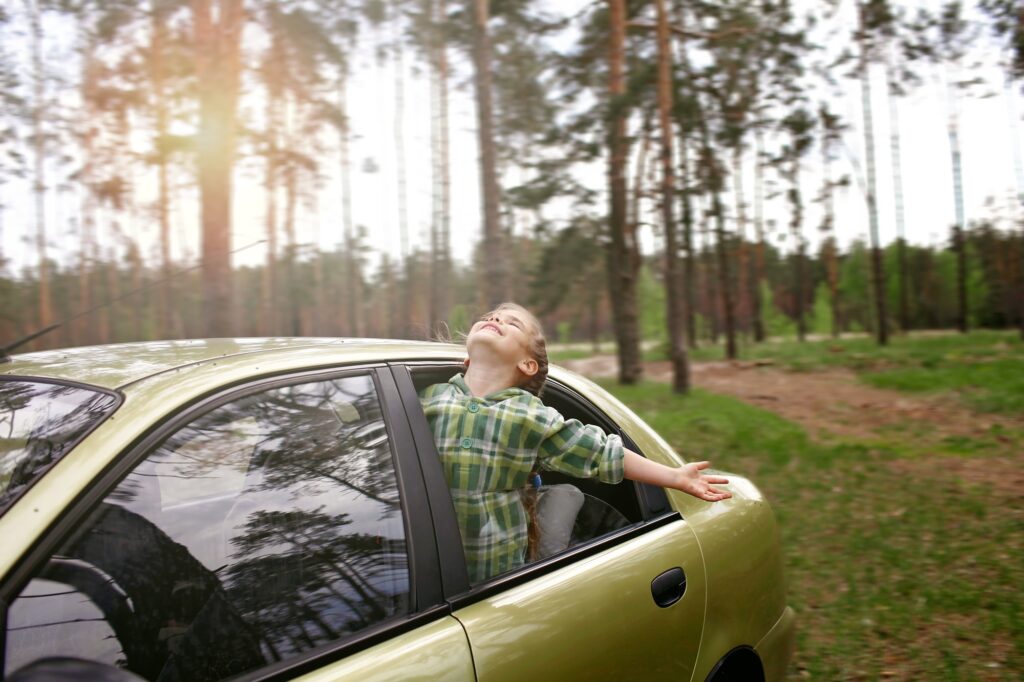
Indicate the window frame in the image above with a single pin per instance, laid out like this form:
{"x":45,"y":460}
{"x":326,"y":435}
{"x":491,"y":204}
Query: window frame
{"x":457,"y":589}
{"x":426,"y":595}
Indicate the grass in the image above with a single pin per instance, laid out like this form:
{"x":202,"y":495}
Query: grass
{"x":899,"y":567}
{"x":984,"y":369}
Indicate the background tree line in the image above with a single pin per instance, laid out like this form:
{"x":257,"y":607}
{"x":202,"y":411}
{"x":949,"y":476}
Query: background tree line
{"x":708,"y":119}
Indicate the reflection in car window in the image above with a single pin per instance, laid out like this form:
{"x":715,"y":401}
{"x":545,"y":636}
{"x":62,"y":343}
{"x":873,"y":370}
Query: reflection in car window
{"x":39,"y":421}
{"x":266,"y":527}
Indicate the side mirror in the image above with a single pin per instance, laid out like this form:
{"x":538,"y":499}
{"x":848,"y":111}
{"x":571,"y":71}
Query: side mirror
{"x":64,"y":668}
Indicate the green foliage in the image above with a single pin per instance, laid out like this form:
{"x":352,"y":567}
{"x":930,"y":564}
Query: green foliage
{"x":822,"y":315}
{"x":775,"y":323}
{"x":855,"y":287}
{"x":651,"y":296}
{"x":564,"y":331}
{"x":458,"y":320}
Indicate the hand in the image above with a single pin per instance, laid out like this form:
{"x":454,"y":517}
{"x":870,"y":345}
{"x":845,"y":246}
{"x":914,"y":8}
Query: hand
{"x":690,"y":480}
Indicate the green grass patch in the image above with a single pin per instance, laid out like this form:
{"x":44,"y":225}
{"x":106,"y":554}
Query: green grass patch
{"x":897,"y":566}
{"x":985,"y":369}
{"x":990,"y":386}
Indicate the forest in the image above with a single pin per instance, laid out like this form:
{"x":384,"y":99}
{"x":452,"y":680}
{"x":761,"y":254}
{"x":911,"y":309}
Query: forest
{"x":689,"y":172}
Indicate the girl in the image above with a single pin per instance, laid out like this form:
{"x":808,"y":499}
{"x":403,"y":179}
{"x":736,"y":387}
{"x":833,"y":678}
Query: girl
{"x":492,"y":431}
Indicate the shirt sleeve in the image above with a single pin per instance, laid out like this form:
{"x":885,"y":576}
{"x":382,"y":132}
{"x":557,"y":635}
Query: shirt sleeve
{"x":581,"y":450}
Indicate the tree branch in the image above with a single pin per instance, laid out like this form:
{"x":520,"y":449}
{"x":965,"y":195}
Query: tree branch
{"x":651,"y":26}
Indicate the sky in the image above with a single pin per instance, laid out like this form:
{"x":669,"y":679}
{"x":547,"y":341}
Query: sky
{"x":989,"y":132}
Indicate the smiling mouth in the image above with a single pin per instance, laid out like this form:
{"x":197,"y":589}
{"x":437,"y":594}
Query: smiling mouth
{"x":493,"y":328}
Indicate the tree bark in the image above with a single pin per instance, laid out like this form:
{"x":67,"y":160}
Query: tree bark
{"x":960,"y":244}
{"x":757,"y":265}
{"x":744,"y":282}
{"x":960,"y":225}
{"x":897,"y":189}
{"x":623,"y":259}
{"x":495,"y":254}
{"x":158,"y":75}
{"x":217,"y":36}
{"x":353,"y":292}
{"x":275,"y":91}
{"x":877,"y":265}
{"x":674,"y":300}
{"x":39,"y":172}
{"x":439,"y":241}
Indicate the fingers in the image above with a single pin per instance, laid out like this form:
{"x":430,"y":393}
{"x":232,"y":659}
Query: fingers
{"x":715,"y":479}
{"x":712,"y":495}
{"x":701,"y":465}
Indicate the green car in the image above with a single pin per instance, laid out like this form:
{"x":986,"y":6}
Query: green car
{"x":275,"y":509}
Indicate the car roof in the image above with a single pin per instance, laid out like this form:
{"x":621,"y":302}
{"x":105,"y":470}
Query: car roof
{"x":117,"y":365}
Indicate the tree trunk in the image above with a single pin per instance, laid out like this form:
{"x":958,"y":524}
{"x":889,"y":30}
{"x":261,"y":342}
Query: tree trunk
{"x":897,"y":189}
{"x":272,"y":73}
{"x":623,"y":258}
{"x":757,"y":269}
{"x":878,"y":269}
{"x":217,"y":34}
{"x":674,"y":298}
{"x":796,"y":227}
{"x":87,"y":261}
{"x":406,"y":296}
{"x":292,"y":299}
{"x":495,"y":255}
{"x":960,"y":244}
{"x":690,"y":265}
{"x":353,"y":293}
{"x":829,"y":248}
{"x":725,"y":283}
{"x":744,"y":280}
{"x":439,"y":242}
{"x":39,"y":149}
{"x":960,"y":225}
{"x":158,"y":75}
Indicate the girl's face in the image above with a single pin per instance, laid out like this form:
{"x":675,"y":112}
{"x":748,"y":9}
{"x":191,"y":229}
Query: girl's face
{"x":506,"y":333}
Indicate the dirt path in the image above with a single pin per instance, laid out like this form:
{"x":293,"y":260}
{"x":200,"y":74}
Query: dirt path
{"x":833,"y":404}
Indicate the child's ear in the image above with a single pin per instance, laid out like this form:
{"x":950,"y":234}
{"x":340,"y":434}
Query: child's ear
{"x":528,"y":366}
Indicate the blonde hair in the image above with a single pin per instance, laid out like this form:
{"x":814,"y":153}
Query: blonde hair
{"x":537,"y":348}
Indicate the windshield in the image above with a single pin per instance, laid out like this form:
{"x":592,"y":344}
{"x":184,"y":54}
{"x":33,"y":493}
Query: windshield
{"x":39,"y":422}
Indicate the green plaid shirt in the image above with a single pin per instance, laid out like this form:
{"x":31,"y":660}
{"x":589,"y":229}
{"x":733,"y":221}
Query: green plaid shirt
{"x":489,"y":446}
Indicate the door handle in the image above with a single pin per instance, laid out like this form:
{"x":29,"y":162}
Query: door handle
{"x":668,"y":588}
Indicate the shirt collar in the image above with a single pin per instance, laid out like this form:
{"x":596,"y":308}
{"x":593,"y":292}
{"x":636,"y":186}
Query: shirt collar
{"x":459,"y":382}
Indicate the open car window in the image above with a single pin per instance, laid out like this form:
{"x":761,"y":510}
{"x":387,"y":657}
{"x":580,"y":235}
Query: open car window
{"x":569,"y":511}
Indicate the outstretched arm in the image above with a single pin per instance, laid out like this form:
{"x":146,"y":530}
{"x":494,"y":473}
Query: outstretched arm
{"x":687,"y":478}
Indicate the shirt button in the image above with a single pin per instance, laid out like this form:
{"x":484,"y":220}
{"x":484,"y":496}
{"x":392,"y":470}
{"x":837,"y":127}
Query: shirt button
{"x":467,"y":443}
{"x":474,"y":407}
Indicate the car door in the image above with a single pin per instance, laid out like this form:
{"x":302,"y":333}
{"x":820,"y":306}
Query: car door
{"x":271,"y":531}
{"x":626,"y":604}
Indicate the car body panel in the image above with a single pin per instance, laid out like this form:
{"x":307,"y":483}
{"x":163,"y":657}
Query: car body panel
{"x":595,"y":619}
{"x":730,"y":550}
{"x":746,"y":597}
{"x":435,"y":651}
{"x":776,"y":648}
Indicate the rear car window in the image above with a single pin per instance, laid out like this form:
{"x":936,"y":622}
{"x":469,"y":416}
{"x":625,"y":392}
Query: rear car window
{"x":39,"y":422}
